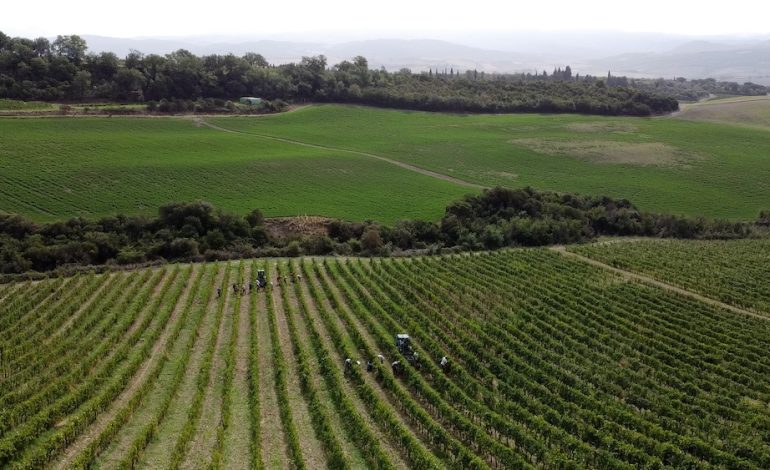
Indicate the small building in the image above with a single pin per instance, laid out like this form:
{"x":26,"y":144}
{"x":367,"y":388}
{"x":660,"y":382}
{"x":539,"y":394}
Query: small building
{"x":250,"y":100}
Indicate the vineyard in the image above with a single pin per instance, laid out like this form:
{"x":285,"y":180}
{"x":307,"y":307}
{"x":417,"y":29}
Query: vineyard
{"x":735,"y":272}
{"x":552,"y":363}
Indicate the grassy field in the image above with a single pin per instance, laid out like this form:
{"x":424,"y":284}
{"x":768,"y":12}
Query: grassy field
{"x":753,"y":111}
{"x":670,"y":165}
{"x":154,"y":369}
{"x":20,"y":106}
{"x":51,"y":168}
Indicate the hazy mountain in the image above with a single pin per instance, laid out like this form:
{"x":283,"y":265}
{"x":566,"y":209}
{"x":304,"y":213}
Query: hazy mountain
{"x":720,"y":61}
{"x":632,"y":54}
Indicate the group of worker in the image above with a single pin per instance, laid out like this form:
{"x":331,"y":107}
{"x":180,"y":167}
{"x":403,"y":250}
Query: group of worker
{"x":243,"y":289}
{"x":279,"y":278}
{"x":395,"y":366}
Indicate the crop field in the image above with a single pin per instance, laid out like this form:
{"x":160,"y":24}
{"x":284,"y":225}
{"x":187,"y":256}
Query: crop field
{"x":53,"y":168}
{"x":735,"y":272}
{"x":553,"y":363}
{"x":328,"y":160}
{"x":661,"y":164}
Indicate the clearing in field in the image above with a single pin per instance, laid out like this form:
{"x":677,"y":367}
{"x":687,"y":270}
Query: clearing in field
{"x":611,"y":152}
{"x":155,"y":369}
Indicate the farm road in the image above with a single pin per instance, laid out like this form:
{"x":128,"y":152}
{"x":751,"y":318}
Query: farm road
{"x":662,"y":285}
{"x":403,"y":165}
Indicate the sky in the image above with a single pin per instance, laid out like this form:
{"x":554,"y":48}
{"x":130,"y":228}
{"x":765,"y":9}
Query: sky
{"x":261,"y":19}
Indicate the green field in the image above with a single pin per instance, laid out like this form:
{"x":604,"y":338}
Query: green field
{"x":751,"y":111}
{"x":736,"y":272}
{"x":152,"y":369}
{"x":53,"y":168}
{"x":667,"y":165}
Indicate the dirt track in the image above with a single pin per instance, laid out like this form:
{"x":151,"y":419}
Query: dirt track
{"x":403,"y":165}
{"x":662,"y":285}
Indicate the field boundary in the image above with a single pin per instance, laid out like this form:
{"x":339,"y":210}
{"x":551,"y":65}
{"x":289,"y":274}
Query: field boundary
{"x":660,"y":284}
{"x":406,"y":166}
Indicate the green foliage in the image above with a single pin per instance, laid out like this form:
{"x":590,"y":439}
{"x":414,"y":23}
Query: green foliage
{"x":735,"y":272}
{"x":575,"y":366}
{"x":183,"y":82}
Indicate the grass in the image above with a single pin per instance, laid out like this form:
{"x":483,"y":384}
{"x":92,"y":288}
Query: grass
{"x":751,"y":111}
{"x":16,"y":105}
{"x":54,"y":168}
{"x":717,"y":170}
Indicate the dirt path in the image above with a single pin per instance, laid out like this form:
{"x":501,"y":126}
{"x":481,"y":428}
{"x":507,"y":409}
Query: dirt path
{"x":272,"y":443}
{"x":662,"y":285}
{"x":406,"y":166}
{"x":312,"y":449}
{"x":159,"y":450}
{"x":136,"y":381}
{"x":206,"y":431}
{"x":238,"y":434}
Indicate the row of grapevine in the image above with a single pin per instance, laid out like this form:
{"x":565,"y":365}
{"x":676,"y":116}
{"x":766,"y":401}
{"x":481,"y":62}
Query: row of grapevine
{"x":734,"y":271}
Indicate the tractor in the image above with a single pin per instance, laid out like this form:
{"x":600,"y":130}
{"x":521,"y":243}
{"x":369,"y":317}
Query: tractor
{"x":261,"y":279}
{"x":404,"y":345}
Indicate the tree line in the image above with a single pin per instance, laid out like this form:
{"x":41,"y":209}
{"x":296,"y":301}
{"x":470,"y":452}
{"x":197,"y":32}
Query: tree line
{"x":63,"y":70}
{"x":197,"y":231}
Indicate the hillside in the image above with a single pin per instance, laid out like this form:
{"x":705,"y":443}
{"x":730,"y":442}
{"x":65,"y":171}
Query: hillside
{"x":748,"y":111}
{"x":154,"y":369}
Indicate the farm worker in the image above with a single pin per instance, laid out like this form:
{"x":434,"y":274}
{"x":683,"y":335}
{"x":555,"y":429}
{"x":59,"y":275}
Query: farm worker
{"x":369,"y":366}
{"x":444,"y":362}
{"x":358,"y":363}
{"x":396,"y":366}
{"x":381,"y":358}
{"x":348,"y":364}
{"x":299,"y":277}
{"x":235,"y":288}
{"x":219,"y":292}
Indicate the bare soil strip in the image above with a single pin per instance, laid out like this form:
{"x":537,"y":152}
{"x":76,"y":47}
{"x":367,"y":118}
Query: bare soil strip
{"x":158,"y":452}
{"x":238,"y":434}
{"x":206,"y":433}
{"x":273,"y":443}
{"x":134,"y":384}
{"x":370,"y":381}
{"x":397,"y":163}
{"x":654,"y":282}
{"x":312,"y":449}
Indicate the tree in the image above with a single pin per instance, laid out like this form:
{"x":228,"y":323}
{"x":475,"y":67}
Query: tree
{"x":72,"y":47}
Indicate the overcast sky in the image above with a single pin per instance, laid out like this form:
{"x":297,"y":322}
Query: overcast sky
{"x":393,"y":17}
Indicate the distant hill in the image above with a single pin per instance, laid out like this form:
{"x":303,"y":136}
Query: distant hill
{"x":727,"y":59}
{"x":741,"y":63}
